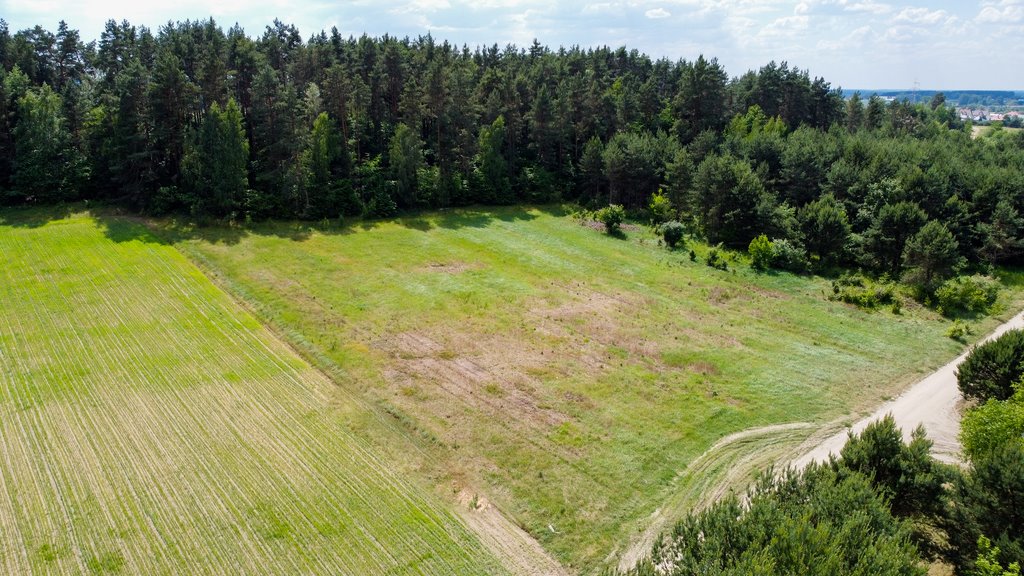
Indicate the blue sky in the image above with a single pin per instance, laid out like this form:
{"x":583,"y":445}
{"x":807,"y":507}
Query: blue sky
{"x":852,"y":43}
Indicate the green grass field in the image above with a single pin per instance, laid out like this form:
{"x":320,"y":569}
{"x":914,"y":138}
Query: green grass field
{"x":149,"y":425}
{"x":569,"y":376}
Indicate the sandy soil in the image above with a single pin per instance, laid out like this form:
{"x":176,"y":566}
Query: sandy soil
{"x":934,"y":402}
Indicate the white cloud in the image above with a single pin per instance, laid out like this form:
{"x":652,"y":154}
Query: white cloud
{"x":852,"y":41}
{"x":598,"y":8}
{"x":868,"y":6}
{"x":921,"y":16}
{"x":858,"y":43}
{"x":1003,"y":13}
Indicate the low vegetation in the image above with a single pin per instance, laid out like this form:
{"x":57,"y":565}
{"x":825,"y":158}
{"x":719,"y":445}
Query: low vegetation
{"x":149,"y":425}
{"x":566,"y":374}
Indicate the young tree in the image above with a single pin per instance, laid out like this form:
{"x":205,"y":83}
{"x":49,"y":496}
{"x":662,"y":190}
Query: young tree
{"x":730,"y":202}
{"x":992,"y":368}
{"x":888,"y":235}
{"x":825,"y":228}
{"x":992,"y":424}
{"x":762,"y":253}
{"x":931,"y":255}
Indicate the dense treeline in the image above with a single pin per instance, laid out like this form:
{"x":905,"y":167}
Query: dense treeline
{"x":193,"y":119}
{"x":344,"y":125}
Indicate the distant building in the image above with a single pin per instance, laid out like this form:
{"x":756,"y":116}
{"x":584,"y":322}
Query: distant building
{"x":973,"y":115}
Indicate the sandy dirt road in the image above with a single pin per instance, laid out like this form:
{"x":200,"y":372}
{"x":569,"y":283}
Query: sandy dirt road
{"x":934,"y":402}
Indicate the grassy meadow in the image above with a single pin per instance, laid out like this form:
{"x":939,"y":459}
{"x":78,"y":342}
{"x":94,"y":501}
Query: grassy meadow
{"x":572,"y":378}
{"x":149,"y":425}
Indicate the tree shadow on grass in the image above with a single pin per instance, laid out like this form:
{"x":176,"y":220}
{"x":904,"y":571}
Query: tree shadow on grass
{"x":122,"y":225}
{"x":477,"y":216}
{"x":37,"y":216}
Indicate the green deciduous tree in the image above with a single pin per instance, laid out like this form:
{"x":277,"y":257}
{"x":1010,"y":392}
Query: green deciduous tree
{"x":47,"y":167}
{"x":762,"y":253}
{"x":992,"y":424}
{"x":405,"y":158}
{"x":215,"y":168}
{"x":493,"y":166}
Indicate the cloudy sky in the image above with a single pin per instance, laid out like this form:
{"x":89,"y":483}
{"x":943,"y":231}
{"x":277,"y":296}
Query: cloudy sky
{"x":872,"y":44}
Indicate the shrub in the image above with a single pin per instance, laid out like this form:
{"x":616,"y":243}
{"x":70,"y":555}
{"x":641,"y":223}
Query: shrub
{"x":992,"y":424}
{"x":991,"y":369}
{"x":672,"y":233}
{"x":863,"y":292}
{"x":781,"y":254}
{"x":612,"y":217}
{"x":959,"y":330}
{"x":660,"y":208}
{"x":762,"y":253}
{"x":967,"y":294}
{"x":381,"y":205}
{"x":716,"y":260}
{"x":788,"y":256}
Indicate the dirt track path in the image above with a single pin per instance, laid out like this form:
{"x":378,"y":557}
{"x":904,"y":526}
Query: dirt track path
{"x":934,"y":402}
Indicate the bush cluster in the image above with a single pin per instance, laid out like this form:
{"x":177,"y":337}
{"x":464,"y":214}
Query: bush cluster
{"x":781,"y":254}
{"x":861,"y":291}
{"x":967,"y":295}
